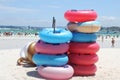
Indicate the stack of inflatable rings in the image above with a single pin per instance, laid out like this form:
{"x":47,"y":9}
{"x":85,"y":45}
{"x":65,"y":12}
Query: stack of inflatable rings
{"x":51,"y":54}
{"x":83,"y":46}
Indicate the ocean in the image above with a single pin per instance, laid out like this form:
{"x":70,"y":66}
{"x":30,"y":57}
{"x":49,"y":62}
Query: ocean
{"x":15,"y":31}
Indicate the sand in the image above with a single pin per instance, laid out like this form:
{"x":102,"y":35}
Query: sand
{"x":108,"y":65}
{"x":16,"y":42}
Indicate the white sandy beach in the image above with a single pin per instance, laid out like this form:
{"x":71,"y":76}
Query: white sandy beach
{"x":108,"y":66}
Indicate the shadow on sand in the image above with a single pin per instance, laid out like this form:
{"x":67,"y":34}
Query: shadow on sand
{"x":34,"y":74}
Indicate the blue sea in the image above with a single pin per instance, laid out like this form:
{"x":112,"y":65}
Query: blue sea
{"x":15,"y":31}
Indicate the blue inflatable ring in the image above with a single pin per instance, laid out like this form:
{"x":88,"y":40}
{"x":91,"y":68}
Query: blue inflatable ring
{"x":83,"y":37}
{"x":50,"y":60}
{"x":61,"y":35}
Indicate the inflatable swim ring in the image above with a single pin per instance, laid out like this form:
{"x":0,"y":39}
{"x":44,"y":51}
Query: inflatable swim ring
{"x":24,"y":50}
{"x":27,"y":48}
{"x":30,"y":58}
{"x":56,"y":73}
{"x":31,"y":48}
{"x":26,"y":54}
{"x":85,"y":27}
{"x":22,"y":53}
{"x":47,"y":48}
{"x":31,"y":51}
{"x":61,"y":35}
{"x":83,"y":37}
{"x":81,"y":59}
{"x":84,"y":48}
{"x":83,"y":70}
{"x":50,"y":60}
{"x":80,"y":15}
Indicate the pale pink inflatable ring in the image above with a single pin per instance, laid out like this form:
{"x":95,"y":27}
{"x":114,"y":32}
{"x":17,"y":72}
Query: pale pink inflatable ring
{"x":46,"y":48}
{"x":56,"y":73}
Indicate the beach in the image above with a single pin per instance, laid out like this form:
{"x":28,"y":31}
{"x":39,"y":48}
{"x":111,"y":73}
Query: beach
{"x":12,"y":42}
{"x":108,"y":65}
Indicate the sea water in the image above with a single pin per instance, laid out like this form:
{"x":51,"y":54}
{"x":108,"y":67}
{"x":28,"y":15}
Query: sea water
{"x":16,"y":31}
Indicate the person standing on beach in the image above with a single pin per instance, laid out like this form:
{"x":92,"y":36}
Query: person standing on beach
{"x":102,"y":38}
{"x":113,"y":42}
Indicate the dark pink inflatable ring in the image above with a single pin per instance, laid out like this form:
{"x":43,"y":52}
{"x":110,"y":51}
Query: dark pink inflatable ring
{"x":47,"y":48}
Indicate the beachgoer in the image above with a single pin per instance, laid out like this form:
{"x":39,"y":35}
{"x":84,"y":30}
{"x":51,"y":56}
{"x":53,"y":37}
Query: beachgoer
{"x":102,"y":38}
{"x":117,"y":36}
{"x":113,"y":42}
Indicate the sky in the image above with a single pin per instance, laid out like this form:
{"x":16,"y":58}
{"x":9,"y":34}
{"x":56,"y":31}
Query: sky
{"x":40,"y":12}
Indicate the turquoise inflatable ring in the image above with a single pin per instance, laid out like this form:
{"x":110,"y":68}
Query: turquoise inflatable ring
{"x":50,"y":60}
{"x":83,"y":37}
{"x":60,"y":35}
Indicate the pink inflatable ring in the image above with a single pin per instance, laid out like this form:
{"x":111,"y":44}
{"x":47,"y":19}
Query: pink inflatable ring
{"x":47,"y":48}
{"x":80,"y":15}
{"x":84,"y":47}
{"x":83,"y":59}
{"x":56,"y":73}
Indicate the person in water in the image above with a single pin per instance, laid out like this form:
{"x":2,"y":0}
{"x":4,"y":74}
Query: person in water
{"x":113,"y":42}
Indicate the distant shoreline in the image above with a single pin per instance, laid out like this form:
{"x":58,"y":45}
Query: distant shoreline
{"x":104,"y":31}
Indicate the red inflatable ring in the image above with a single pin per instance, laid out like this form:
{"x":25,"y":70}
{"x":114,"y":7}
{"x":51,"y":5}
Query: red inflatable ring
{"x":84,"y":47}
{"x":80,"y":15}
{"x":81,"y":59}
{"x":82,"y":70}
{"x":56,"y":73}
{"x":47,"y":48}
